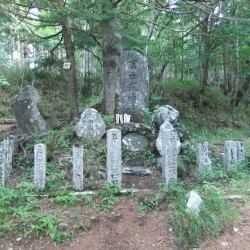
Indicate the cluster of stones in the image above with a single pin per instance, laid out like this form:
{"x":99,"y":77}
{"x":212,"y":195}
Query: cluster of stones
{"x":114,"y":160}
{"x":234,"y":154}
{"x":7,"y":149}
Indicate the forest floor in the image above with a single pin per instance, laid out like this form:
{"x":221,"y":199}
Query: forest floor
{"x":125,"y":227}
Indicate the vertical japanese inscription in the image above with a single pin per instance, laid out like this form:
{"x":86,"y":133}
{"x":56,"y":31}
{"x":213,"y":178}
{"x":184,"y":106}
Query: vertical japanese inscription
{"x":39,"y":166}
{"x":132,"y":84}
{"x":78,"y":167}
{"x":133,"y":91}
{"x":114,"y":161}
{"x":169,"y":155}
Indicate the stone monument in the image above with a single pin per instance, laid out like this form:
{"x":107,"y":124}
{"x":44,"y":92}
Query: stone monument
{"x":25,"y":109}
{"x":230,"y":155}
{"x":114,"y":157}
{"x":78,"y":167}
{"x":90,"y":125}
{"x":203,"y":162}
{"x":134,"y":86}
{"x":39,"y":166}
{"x":169,"y":155}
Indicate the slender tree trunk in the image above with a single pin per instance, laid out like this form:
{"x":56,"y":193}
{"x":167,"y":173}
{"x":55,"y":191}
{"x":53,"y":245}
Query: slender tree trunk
{"x":204,"y":58}
{"x":161,"y":74}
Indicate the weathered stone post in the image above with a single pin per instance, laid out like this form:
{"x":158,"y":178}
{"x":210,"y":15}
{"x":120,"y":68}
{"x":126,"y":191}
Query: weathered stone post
{"x":203,"y":162}
{"x":169,"y":155}
{"x":39,"y":166}
{"x":114,"y":158}
{"x":230,"y":155}
{"x":240,"y":151}
{"x":78,"y":167}
{"x":2,"y":164}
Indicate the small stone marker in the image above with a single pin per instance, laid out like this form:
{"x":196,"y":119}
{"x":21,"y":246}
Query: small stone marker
{"x":134,"y":85}
{"x":203,"y":161}
{"x":39,"y":166}
{"x":78,"y":167}
{"x":114,"y":159}
{"x":230,"y":155}
{"x":2,"y":164}
{"x":194,"y":202}
{"x":169,"y":155}
{"x":240,"y":151}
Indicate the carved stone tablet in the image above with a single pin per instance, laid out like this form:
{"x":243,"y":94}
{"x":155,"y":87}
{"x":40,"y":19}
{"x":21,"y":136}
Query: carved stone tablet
{"x":78,"y":167}
{"x":134,"y":85}
{"x":169,"y":155}
{"x":39,"y":166}
{"x":114,"y":159}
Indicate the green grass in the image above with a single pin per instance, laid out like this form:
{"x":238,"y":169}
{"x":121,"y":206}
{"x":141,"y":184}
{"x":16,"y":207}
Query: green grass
{"x":214,"y":216}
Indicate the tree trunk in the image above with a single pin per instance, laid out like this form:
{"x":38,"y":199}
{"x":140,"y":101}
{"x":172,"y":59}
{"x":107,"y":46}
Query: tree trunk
{"x":111,"y":54}
{"x":71,"y":72}
{"x":161,"y":73}
{"x":241,"y":92}
{"x":204,"y":58}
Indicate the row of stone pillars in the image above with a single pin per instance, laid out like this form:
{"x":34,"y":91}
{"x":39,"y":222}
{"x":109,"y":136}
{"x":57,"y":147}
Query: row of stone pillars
{"x":114,"y":160}
{"x":233,"y":155}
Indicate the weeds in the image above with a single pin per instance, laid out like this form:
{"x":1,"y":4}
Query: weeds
{"x":214,"y":215}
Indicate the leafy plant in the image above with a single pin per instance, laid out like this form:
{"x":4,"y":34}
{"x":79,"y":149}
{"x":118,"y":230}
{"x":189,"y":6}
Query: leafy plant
{"x":214,"y":215}
{"x":109,"y":196}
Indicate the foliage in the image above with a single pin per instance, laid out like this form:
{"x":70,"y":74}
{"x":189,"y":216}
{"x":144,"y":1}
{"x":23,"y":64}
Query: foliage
{"x":20,"y":214}
{"x":109,"y":196}
{"x":214,"y":216}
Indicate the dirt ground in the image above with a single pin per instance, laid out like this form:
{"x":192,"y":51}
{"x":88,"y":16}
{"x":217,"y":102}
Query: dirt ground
{"x":125,"y":228}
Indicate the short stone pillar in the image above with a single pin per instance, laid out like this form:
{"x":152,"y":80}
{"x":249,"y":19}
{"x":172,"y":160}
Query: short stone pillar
{"x":203,"y":162}
{"x":78,"y":167}
{"x":114,"y":157}
{"x":2,"y":164}
{"x":169,"y":155}
{"x":240,"y":151}
{"x":230,"y":155}
{"x":39,"y":166}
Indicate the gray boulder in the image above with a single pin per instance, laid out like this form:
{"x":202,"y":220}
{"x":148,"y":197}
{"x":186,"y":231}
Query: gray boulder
{"x":27,"y":115}
{"x":137,"y":171}
{"x":134,"y":142}
{"x":194,"y":202}
{"x":166,"y":125}
{"x":90,"y":125}
{"x":165,"y":113}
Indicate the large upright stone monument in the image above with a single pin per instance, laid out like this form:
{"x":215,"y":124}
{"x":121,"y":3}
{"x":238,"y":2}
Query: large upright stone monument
{"x":134,"y":85}
{"x":26,"y":112}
